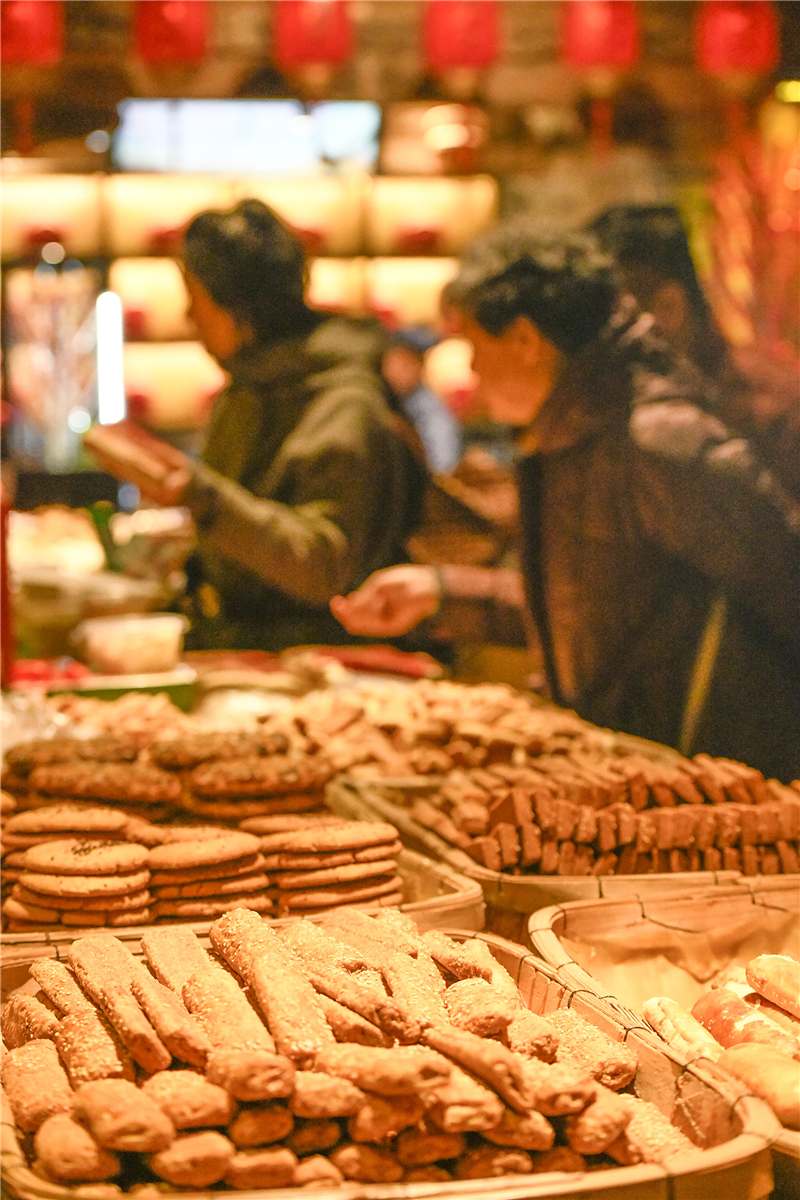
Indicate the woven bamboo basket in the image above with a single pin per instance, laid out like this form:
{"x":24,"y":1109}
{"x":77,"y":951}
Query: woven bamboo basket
{"x":731,"y":1129}
{"x":624,"y":950}
{"x":433,"y":894}
{"x":510,"y":899}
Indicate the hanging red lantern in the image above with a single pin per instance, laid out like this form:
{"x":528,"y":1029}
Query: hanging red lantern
{"x":171,"y":31}
{"x":312,"y":31}
{"x":736,"y":36}
{"x":599,"y":33}
{"x":32,"y":31}
{"x":461,"y":33}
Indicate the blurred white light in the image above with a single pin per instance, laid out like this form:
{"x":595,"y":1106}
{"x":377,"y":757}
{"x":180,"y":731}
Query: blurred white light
{"x":79,"y":420}
{"x":98,"y":141}
{"x":53,"y":252}
{"x":110,"y":385}
{"x":446,"y":137}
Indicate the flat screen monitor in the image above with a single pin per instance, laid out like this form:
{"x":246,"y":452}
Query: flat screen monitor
{"x":254,"y":137}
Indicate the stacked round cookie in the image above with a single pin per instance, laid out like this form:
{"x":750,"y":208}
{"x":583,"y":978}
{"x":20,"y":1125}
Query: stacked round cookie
{"x":228,"y":776}
{"x":35,"y":827}
{"x":80,"y":881}
{"x":328,"y":865}
{"x":106,"y":769}
{"x":203,"y":878}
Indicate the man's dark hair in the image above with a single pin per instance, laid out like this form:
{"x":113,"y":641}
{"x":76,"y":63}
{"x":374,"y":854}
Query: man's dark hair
{"x":566,"y":286}
{"x":252,"y":266}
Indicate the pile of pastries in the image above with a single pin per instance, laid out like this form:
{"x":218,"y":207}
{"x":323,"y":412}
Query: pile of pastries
{"x":70,"y":864}
{"x":355,"y":1049}
{"x":749,"y":1022}
{"x":531,"y":790}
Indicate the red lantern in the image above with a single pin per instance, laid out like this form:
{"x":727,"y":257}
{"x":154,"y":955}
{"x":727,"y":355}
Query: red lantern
{"x":312,"y":31}
{"x":171,"y":31}
{"x":600,"y":33}
{"x":461,"y":33}
{"x":736,"y":36}
{"x":32,"y":31}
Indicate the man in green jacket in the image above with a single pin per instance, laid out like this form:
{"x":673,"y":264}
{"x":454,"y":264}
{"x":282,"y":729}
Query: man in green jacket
{"x":306,"y":483}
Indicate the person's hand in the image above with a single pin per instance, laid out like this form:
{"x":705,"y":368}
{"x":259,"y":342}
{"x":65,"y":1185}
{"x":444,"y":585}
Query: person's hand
{"x":128,"y":452}
{"x":391,"y":602}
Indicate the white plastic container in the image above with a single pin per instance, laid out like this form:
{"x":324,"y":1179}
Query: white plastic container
{"x":132,"y":645}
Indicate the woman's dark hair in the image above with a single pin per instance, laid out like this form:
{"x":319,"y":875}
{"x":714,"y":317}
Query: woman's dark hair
{"x":566,"y":287}
{"x":651,"y":247}
{"x":252,"y":266}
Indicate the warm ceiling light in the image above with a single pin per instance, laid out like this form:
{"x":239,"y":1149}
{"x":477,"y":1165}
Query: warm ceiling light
{"x":788,"y":90}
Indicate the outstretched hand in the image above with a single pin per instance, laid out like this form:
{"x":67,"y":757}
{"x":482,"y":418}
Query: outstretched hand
{"x":391,"y":602}
{"x":161,"y":472}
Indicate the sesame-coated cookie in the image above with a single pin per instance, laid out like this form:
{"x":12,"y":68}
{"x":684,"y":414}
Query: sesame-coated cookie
{"x":125,"y":782}
{"x":182,"y":856}
{"x":259,"y":776}
{"x":87,"y":856}
{"x":85,"y":885}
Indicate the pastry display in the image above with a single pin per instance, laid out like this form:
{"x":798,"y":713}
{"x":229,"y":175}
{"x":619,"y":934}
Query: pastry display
{"x":520,"y":788}
{"x":76,"y":865}
{"x":231,"y":1069}
{"x":749,"y":1023}
{"x":525,"y":789}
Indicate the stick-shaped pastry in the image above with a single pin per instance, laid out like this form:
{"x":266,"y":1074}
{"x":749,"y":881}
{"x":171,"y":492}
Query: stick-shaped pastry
{"x":525,"y":1131}
{"x":731,"y":1022}
{"x":25,"y":1018}
{"x":463,"y":1104}
{"x":318,"y":1095}
{"x":90,"y":1049}
{"x":35,"y":1083}
{"x":401,"y":1071}
{"x":196,"y":1160}
{"x":257,"y":1126}
{"x":283,"y":993}
{"x":557,"y":1089}
{"x":182,"y":1036}
{"x":313,"y":944}
{"x":349,"y":1026}
{"x":580,"y":1042}
{"x":648,"y":1137}
{"x":121,"y":1117}
{"x":680,"y":1029}
{"x":243,"y":1058}
{"x":188,"y":1099}
{"x":98,"y":970}
{"x":777,"y":978}
{"x":600,"y":1123}
{"x":478,"y":1007}
{"x":175,"y":954}
{"x":364,"y":993}
{"x":531,"y":1036}
{"x":490,"y":1061}
{"x":60,"y":987}
{"x":68,"y":1152}
{"x":455,"y":957}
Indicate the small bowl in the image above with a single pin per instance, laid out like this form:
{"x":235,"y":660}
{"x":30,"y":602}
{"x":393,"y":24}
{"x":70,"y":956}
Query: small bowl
{"x":144,"y":643}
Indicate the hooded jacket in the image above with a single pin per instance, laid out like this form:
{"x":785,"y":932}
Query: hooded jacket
{"x":661,"y":559}
{"x":305,"y":487}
